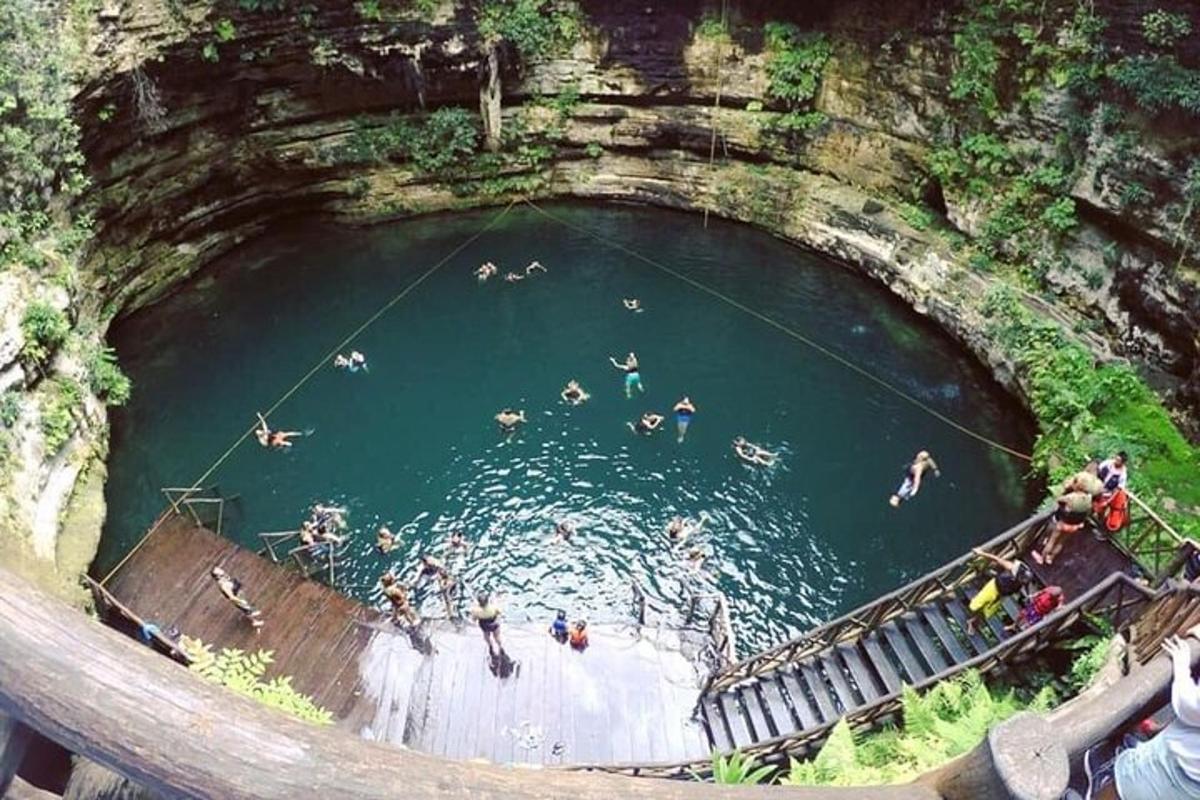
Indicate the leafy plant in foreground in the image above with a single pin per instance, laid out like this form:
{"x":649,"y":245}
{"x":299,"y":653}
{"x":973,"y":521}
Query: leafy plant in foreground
{"x":737,"y":769}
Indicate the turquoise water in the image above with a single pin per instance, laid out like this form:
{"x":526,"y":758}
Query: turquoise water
{"x":412,"y":443}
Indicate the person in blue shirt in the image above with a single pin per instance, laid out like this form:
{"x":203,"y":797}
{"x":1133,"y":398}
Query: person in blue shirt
{"x":558,"y":628}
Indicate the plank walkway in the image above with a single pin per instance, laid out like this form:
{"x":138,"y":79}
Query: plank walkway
{"x":628,"y":697}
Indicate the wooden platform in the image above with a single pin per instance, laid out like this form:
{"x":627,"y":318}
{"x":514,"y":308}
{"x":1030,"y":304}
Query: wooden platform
{"x":627,"y":698}
{"x":1084,"y":562}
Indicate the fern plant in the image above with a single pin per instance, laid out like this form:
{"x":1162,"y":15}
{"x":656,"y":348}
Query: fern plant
{"x":243,"y":673}
{"x":736,"y":769}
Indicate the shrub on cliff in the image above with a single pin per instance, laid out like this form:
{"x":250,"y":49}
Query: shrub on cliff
{"x":45,"y":329}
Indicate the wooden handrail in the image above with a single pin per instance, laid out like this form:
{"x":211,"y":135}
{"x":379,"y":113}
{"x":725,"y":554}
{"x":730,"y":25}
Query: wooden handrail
{"x":125,"y":611}
{"x":870,"y":615}
{"x":1174,"y":534}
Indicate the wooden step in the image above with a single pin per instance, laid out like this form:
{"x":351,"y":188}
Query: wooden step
{"x":935,"y":617}
{"x":1013,"y":608}
{"x":925,"y":643}
{"x":909,"y":662}
{"x":996,"y":626}
{"x":959,"y":612}
{"x":752,"y":702}
{"x":882,"y":662}
{"x":802,"y":706}
{"x":864,"y":678}
{"x":783,"y":718}
{"x":836,"y":675}
{"x":739,"y":728}
{"x":811,"y":677}
{"x":714,"y":722}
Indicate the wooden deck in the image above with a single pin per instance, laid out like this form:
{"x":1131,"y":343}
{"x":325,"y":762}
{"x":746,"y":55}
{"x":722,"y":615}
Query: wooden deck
{"x":628,"y":698}
{"x":1084,"y":562}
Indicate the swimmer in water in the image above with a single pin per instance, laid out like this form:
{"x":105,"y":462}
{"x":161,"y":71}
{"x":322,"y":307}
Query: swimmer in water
{"x":272,"y":438}
{"x":385,"y":540}
{"x":684,"y":410}
{"x":509,"y":419}
{"x":564,"y":531}
{"x":512,"y":277}
{"x":679,"y":529}
{"x":457,"y":543}
{"x":632,"y":304}
{"x":752,"y":453}
{"x":695,"y":558}
{"x":633,"y":375}
{"x":532,"y":266}
{"x":485,"y":271}
{"x":912,"y":477}
{"x":574,"y":394}
{"x":353,"y":362}
{"x":649,"y":423}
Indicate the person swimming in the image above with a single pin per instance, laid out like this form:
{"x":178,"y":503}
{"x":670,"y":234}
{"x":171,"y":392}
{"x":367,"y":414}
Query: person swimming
{"x":532,"y":266}
{"x":428,"y":567}
{"x":649,"y":423}
{"x":912,"y":477}
{"x":353,"y":362}
{"x":633,"y":375}
{"x":684,"y":410}
{"x":328,"y":518}
{"x":385,"y":540}
{"x":512,"y":277}
{"x":272,"y":438}
{"x":457,"y":543}
{"x":574,"y":394}
{"x":558,"y":628}
{"x":485,"y":271}
{"x":679,"y":529}
{"x":695,"y":558}
{"x":509,"y":419}
{"x":632,"y":304}
{"x":752,"y":453}
{"x":578,"y":636}
{"x":564,"y":531}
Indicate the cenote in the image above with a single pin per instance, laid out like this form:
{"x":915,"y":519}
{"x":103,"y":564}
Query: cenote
{"x":412,"y":442}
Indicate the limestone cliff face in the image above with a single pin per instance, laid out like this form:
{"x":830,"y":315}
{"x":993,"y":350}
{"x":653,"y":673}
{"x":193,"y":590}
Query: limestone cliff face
{"x":206,"y":123}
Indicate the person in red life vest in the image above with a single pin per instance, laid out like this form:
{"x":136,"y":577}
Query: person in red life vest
{"x":1040,"y":606}
{"x":578,"y":635}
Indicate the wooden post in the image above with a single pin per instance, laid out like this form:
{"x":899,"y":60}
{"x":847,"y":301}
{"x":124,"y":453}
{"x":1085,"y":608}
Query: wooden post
{"x":14,"y":739}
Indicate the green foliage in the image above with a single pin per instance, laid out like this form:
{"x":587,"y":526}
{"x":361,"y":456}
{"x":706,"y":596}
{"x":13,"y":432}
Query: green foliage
{"x":1134,"y":194}
{"x":209,"y":52}
{"x":948,"y":720}
{"x":711,"y":26}
{"x":1084,"y":410}
{"x":974,"y":165}
{"x":1164,"y":29}
{"x":369,"y":10}
{"x":795,"y":63}
{"x":593,"y":150}
{"x":919,"y":217}
{"x":224,"y":30}
{"x":106,"y":379}
{"x":1059,"y":216}
{"x":1085,"y":666}
{"x":440,"y":141}
{"x":10,"y":408}
{"x":243,"y":673}
{"x":262,"y":6}
{"x":536,"y":28}
{"x":44,"y":328}
{"x":39,"y":140}
{"x":1158,"y":84}
{"x":59,"y":401}
{"x":737,"y":769}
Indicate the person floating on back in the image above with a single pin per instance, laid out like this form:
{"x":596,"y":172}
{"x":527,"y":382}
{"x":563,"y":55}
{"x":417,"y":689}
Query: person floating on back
{"x":564,"y":531}
{"x":649,"y":423}
{"x":912,"y":477}
{"x":752,"y":453}
{"x":354,"y":362}
{"x":684,"y":410}
{"x":232,"y":589}
{"x":578,"y":635}
{"x":397,"y":594}
{"x":632,"y":304}
{"x":487,"y":615}
{"x":272,"y":438}
{"x":485,"y":271}
{"x":574,"y":394}
{"x":533,"y":265}
{"x":558,"y":628}
{"x":1009,"y":579}
{"x":508,"y":420}
{"x":512,"y":277}
{"x":633,"y":375}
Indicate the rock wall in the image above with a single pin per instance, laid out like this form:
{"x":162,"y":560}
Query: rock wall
{"x":206,"y":123}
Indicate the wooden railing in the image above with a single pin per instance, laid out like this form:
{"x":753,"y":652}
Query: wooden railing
{"x":1117,"y":596}
{"x":869,"y":617}
{"x":715,"y":606}
{"x":1151,"y":542}
{"x":1173,"y":613}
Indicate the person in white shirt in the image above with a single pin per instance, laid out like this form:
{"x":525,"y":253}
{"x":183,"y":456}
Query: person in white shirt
{"x":1114,"y":472}
{"x":1168,"y":766}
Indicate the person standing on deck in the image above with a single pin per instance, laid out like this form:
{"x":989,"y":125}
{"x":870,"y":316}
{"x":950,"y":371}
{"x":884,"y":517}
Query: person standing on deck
{"x":232,"y":589}
{"x":397,"y":595}
{"x":487,"y":614}
{"x":1070,"y":517}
